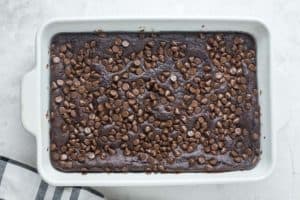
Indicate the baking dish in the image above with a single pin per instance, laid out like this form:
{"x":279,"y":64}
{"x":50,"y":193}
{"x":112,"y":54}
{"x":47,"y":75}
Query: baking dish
{"x":35,"y":101}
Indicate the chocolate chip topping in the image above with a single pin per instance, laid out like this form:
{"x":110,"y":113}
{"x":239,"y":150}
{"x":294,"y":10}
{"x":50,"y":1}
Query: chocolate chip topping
{"x":166,"y":102}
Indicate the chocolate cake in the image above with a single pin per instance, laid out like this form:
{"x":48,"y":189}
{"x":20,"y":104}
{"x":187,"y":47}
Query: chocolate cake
{"x":154,"y":102}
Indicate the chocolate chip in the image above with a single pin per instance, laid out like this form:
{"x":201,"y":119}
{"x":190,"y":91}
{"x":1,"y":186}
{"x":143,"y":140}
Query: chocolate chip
{"x":91,"y":156}
{"x":201,"y":160}
{"x":60,"y":82}
{"x":53,"y":147}
{"x":161,"y":168}
{"x":125,"y":138}
{"x":56,"y":60}
{"x":206,"y":68}
{"x":190,"y":149}
{"x":73,"y":113}
{"x":238,"y":131}
{"x":125,"y":43}
{"x":173,"y":78}
{"x":233,"y":71}
{"x":190,"y":133}
{"x":255,"y":136}
{"x":234,"y":154}
{"x":115,"y":49}
{"x":147,"y":129}
{"x":214,"y":147}
{"x":204,"y":101}
{"x":63,"y":48}
{"x":219,"y":75}
{"x":87,"y":130}
{"x":63,"y":157}
{"x":237,"y":159}
{"x":113,"y":93}
{"x":136,"y":142}
{"x":58,"y":99}
{"x":252,"y":67}
{"x":116,"y":78}
{"x":213,"y":162}
{"x":137,"y":62}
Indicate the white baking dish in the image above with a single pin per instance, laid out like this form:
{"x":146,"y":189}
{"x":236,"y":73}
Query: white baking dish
{"x":35,"y":101}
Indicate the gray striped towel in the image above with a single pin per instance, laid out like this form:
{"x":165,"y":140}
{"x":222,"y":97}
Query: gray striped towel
{"x":19,"y":181}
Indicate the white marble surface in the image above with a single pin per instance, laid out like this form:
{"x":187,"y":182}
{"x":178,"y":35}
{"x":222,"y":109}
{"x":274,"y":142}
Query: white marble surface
{"x":20,"y":19}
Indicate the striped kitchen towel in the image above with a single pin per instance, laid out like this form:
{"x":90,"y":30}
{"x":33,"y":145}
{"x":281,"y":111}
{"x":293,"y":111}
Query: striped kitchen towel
{"x":19,"y":181}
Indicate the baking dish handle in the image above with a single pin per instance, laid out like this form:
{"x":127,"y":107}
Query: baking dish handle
{"x":29,"y":102}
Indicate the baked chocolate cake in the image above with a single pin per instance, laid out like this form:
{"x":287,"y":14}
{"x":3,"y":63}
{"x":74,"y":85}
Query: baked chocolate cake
{"x":154,"y":102}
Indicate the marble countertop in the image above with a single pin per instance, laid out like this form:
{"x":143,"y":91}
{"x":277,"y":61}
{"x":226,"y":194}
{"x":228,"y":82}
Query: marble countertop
{"x":19,"y":21}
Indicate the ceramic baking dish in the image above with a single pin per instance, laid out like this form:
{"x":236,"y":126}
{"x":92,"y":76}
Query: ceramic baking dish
{"x":35,"y":101}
